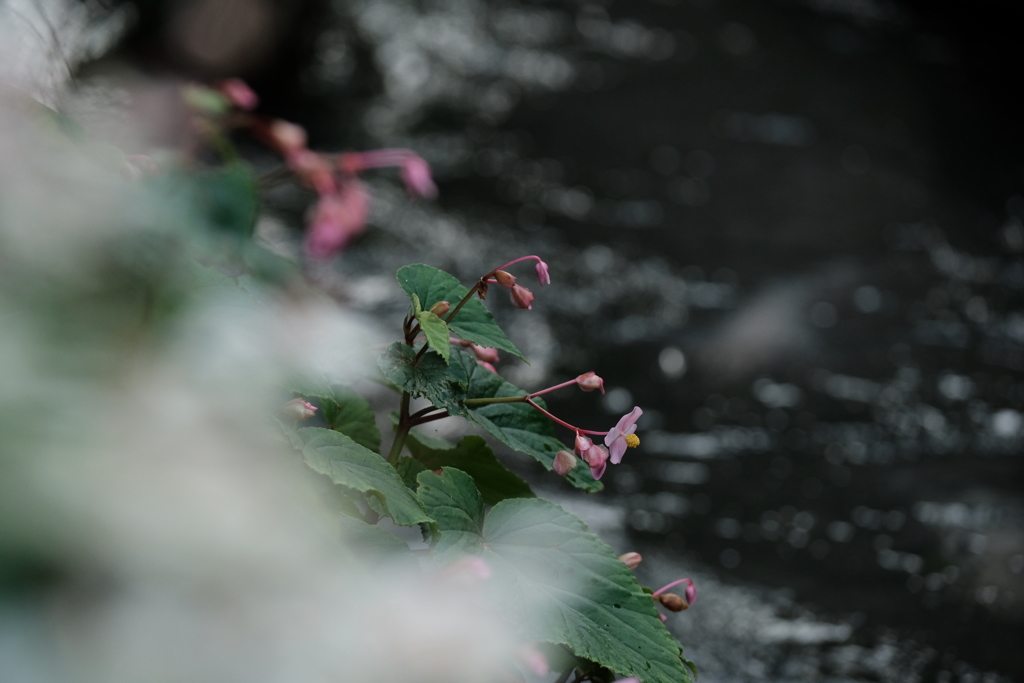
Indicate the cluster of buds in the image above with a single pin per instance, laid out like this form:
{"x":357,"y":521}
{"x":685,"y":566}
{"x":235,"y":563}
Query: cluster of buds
{"x":520,"y":295}
{"x":297,"y":409}
{"x":674,"y":602}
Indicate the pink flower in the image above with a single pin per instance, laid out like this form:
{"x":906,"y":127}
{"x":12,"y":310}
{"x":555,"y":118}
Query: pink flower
{"x":583,"y":443}
{"x":590,"y":381}
{"x":313,"y":169}
{"x":336,"y":219}
{"x":564,"y":462}
{"x":542,"y":272}
{"x":621,"y":435}
{"x":416,"y":176}
{"x":522,"y":297}
{"x":487,"y":366}
{"x":239,"y":93}
{"x":287,"y":137}
{"x":505,"y":279}
{"x":536,"y":662}
{"x":297,"y":409}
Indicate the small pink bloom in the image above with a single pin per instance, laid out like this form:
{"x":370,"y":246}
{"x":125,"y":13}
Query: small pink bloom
{"x":536,"y":662}
{"x":485,"y":353}
{"x":488,"y":366}
{"x":582,"y":445}
{"x":618,"y":439}
{"x":239,"y":93}
{"x":337,"y":219}
{"x":313,"y":169}
{"x":522,"y":297}
{"x":631,"y":560}
{"x":564,"y":462}
{"x":590,"y":381}
{"x":691,"y":593}
{"x":472,"y":566}
{"x":597,"y":457}
{"x":416,"y":176}
{"x":297,"y":409}
{"x":287,"y":137}
{"x":542,"y":272}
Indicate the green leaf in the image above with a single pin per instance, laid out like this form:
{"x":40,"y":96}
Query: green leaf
{"x":408,"y":470}
{"x":228,"y":197}
{"x":562,"y":584}
{"x":349,"y":413}
{"x":473,"y":323}
{"x":475,"y":458}
{"x":517,"y":425}
{"x":436,"y":331}
{"x":452,"y":499}
{"x":373,"y":541}
{"x":353,"y":466}
{"x":430,"y":375}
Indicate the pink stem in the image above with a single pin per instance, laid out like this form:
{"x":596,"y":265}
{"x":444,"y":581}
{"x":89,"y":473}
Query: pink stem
{"x":550,"y":389}
{"x":521,"y":258}
{"x":379,"y":158}
{"x":671,"y":585}
{"x":562,"y":422}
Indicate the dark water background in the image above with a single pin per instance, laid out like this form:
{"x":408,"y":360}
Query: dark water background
{"x":790,"y":231}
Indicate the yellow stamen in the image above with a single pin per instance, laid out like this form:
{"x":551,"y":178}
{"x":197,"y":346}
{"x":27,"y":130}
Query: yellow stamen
{"x":632,"y":440}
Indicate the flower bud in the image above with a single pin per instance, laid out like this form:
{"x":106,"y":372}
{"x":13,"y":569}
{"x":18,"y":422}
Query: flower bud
{"x":597,"y":457}
{"x":582,"y":444}
{"x":440,"y":308}
{"x":522,"y":297}
{"x":297,"y":409}
{"x":287,"y":137}
{"x":487,"y":366}
{"x":631,"y":560}
{"x":239,"y":93}
{"x":564,"y":462}
{"x":485,"y":353}
{"x":590,"y":381}
{"x":542,"y":273}
{"x":673,"y":602}
{"x":416,"y":176}
{"x":506,"y":280}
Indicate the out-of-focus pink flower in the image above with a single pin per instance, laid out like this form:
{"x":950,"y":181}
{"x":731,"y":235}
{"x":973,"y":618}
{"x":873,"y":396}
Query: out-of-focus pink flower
{"x":313,"y":169}
{"x":488,"y":366}
{"x":416,"y":176}
{"x":239,"y":93}
{"x":564,"y":462}
{"x":631,"y":560}
{"x":337,"y":219}
{"x":287,"y":137}
{"x":597,"y":457}
{"x":589,"y":381}
{"x":472,"y":566}
{"x":522,"y":297}
{"x":662,"y":617}
{"x":542,"y":272}
{"x":621,"y":435}
{"x":297,"y":409}
{"x":485,"y":353}
{"x":536,"y":662}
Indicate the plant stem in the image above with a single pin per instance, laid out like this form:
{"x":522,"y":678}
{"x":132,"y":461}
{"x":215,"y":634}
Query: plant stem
{"x":562,"y":422}
{"x":465,"y":300}
{"x":403,"y":431}
{"x":565,"y":675}
{"x":430,"y":418}
{"x":502,"y":399}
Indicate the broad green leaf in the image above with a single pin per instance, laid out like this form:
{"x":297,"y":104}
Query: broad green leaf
{"x":452,"y":499}
{"x":436,"y":332}
{"x":518,"y":425}
{"x":473,"y":323}
{"x":349,"y":413}
{"x":370,"y":540}
{"x":228,"y":198}
{"x":408,"y":470}
{"x":430,"y":375}
{"x":475,"y":458}
{"x":353,"y":466}
{"x":562,"y":584}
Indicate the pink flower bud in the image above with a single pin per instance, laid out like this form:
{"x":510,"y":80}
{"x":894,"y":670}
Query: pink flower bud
{"x":662,"y":617}
{"x":440,"y":308}
{"x":485,"y":353}
{"x":485,"y":364}
{"x":416,"y":176}
{"x":522,"y":297}
{"x":590,"y":381}
{"x":631,"y":559}
{"x":542,"y":272}
{"x":297,"y":409}
{"x":287,"y":137}
{"x":313,"y":169}
{"x":239,"y":93}
{"x":582,"y":445}
{"x":536,"y":662}
{"x":505,"y":279}
{"x":564,"y":462}
{"x":597,"y":457}
{"x":691,"y":593}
